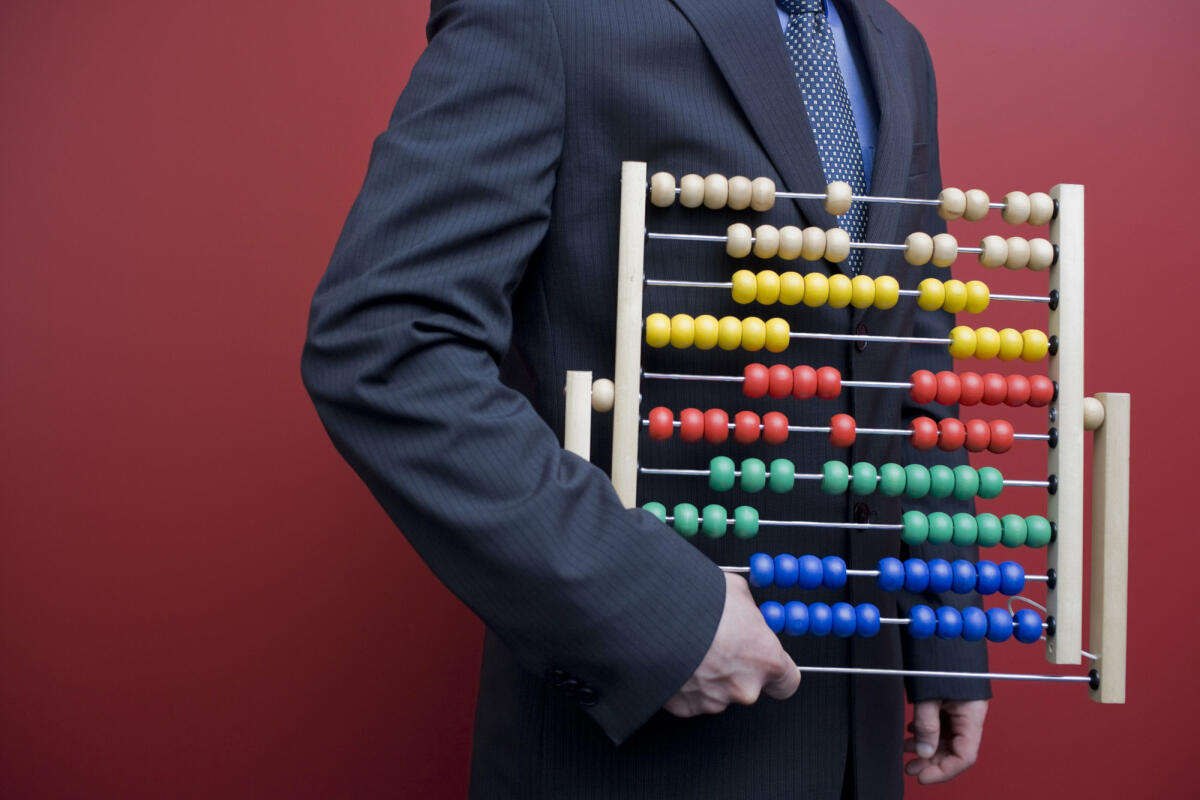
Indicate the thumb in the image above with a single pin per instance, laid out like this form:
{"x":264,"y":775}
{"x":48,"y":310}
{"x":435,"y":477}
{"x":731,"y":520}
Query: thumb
{"x":785,"y":679}
{"x":927,"y":726}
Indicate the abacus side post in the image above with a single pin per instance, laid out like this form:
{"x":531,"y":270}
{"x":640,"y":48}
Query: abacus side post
{"x":627,"y":369}
{"x":1110,"y":547}
{"x":577,"y":428}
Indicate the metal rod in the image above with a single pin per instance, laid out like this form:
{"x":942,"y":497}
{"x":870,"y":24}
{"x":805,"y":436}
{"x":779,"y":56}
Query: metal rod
{"x":708,"y":237}
{"x":803,"y":476}
{"x":826,"y":429}
{"x":1022,"y":298}
{"x":928,"y":673}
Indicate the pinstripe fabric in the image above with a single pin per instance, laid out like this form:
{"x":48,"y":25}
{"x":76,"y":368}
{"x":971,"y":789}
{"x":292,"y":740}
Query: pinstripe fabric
{"x":480,"y":256}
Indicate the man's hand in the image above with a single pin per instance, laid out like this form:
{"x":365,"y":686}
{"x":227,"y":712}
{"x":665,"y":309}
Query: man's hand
{"x":946,"y":735}
{"x":744,"y":659}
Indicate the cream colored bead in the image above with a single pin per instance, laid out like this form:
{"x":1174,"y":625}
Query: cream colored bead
{"x":1018,"y":253}
{"x":952,"y":203}
{"x":814,"y":243}
{"x":716,"y":191}
{"x":1041,"y":208}
{"x":1041,"y":254}
{"x":1016,"y":208}
{"x":945,"y":250}
{"x":837,"y":198}
{"x":837,"y":245}
{"x":766,"y":241}
{"x":691,"y":191}
{"x":739,"y":192}
{"x":738,"y":244}
{"x":662,"y":189}
{"x":791,"y":242}
{"x":762,"y":194}
{"x":995,"y":251}
{"x":918,"y":249}
{"x":977,"y":205}
{"x":603,"y":390}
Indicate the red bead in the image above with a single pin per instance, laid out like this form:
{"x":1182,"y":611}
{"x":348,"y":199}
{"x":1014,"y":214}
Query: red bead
{"x":1041,"y":390}
{"x":924,"y":433}
{"x":979,"y":435}
{"x":1018,"y":390}
{"x":972,"y":388}
{"x":953,"y":434}
{"x":1002,"y":436}
{"x":716,"y":426}
{"x":691,"y":424}
{"x":775,"y":427}
{"x":756,"y":380}
{"x":948,"y":389}
{"x":781,"y":381}
{"x":662,"y":423}
{"x":804,"y":382}
{"x":841,"y":430}
{"x":829,"y":383}
{"x":924,"y":387}
{"x":995,"y":389}
{"x":746,"y":427}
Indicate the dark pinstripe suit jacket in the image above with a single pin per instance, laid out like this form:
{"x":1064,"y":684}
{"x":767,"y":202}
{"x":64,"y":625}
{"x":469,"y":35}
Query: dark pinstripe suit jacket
{"x":478,"y":265}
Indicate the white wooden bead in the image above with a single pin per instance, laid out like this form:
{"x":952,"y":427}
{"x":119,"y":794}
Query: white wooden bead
{"x":662,"y":189}
{"x":837,"y":198}
{"x":837,"y":245}
{"x":1016,"y":208}
{"x":603,"y":390}
{"x":1018,"y":253}
{"x":791,"y":242}
{"x":1041,"y":208}
{"x":945,"y":250}
{"x":977,"y":205}
{"x":739,"y":244}
{"x":918,"y":249}
{"x":739,"y":192}
{"x":813,"y":247}
{"x":1041,"y":254}
{"x":762,"y":194}
{"x":766,"y":241}
{"x":691,"y":191}
{"x":716,"y":191}
{"x":995,"y":251}
{"x":952,"y":203}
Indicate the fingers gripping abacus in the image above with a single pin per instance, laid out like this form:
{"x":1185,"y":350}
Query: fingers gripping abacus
{"x":1061,"y":530}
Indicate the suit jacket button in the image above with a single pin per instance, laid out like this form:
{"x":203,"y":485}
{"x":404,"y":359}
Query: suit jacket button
{"x":569,"y":686}
{"x":586,"y":697}
{"x":556,"y":677}
{"x":861,"y":330}
{"x":862,"y":512}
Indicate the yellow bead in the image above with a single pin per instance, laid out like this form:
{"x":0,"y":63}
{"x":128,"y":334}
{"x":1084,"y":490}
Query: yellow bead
{"x":706,"y":332}
{"x":933,"y":294}
{"x":768,"y":287}
{"x":1036,"y":345}
{"x":1011,"y":344}
{"x":987,"y":343}
{"x":745,"y":286}
{"x":729,"y":333}
{"x":887,"y":291}
{"x":683,"y":331}
{"x":778,"y":337}
{"x":956,"y":296}
{"x":840,"y":290}
{"x":658,"y":330}
{"x":816,"y":289}
{"x":962,"y":342}
{"x":791,"y":288}
{"x":862,"y":291}
{"x":978,"y":296}
{"x":754,"y":334}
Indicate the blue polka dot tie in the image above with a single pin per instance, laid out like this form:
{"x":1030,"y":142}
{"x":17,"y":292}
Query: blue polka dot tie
{"x":814,"y":62}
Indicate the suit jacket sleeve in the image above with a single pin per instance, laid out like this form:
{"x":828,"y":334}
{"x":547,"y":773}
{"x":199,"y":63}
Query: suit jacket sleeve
{"x":406,"y":332}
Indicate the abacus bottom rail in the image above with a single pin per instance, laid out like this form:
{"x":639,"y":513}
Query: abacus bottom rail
{"x":1092,"y":678}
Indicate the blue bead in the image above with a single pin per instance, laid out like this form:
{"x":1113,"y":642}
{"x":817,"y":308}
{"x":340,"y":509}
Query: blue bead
{"x":762,"y":570}
{"x":974,"y":624}
{"x":834,"y":569}
{"x":1012,"y":578}
{"x":820,"y":619}
{"x":988,"y":577}
{"x":891,"y":574}
{"x":787,"y":570}
{"x":812,"y":571}
{"x":795,"y":622}
{"x":964,"y":576}
{"x":868,"y":619}
{"x":1029,"y":626}
{"x":845,"y":621}
{"x":949,"y":622}
{"x":916,"y":575}
{"x":923,"y":622}
{"x":941,"y":577}
{"x":773,"y":613}
{"x":1000,"y":625}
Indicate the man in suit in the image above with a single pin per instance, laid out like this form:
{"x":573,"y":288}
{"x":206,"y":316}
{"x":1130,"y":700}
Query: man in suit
{"x":478,"y":265}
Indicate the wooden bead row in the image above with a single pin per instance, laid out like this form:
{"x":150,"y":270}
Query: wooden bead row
{"x":1035,"y":254}
{"x":973,"y":204}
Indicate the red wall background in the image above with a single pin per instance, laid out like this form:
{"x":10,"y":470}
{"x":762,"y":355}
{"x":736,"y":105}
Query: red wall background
{"x":198,"y":598}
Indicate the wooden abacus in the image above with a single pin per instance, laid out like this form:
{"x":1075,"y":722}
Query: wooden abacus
{"x":1071,"y":413}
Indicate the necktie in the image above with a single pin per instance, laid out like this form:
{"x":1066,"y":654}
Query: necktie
{"x":814,"y":62}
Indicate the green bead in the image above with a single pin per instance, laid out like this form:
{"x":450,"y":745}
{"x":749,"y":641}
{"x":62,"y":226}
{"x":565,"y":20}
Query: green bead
{"x":745,"y":522}
{"x":891,"y":480}
{"x":836,"y":477}
{"x":941,"y":528}
{"x":687,"y":519}
{"x":1039,"y":531}
{"x":716,"y":521}
{"x":966,"y":530}
{"x":657,"y":509}
{"x":966,"y":482}
{"x":991,"y":482}
{"x":916,"y":481}
{"x":754,"y":475}
{"x":864,"y":479}
{"x":1015,"y":530}
{"x":721,"y":474}
{"x":941,"y":481}
{"x":990,"y":529}
{"x":916,"y":528}
{"x":783,"y":476}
